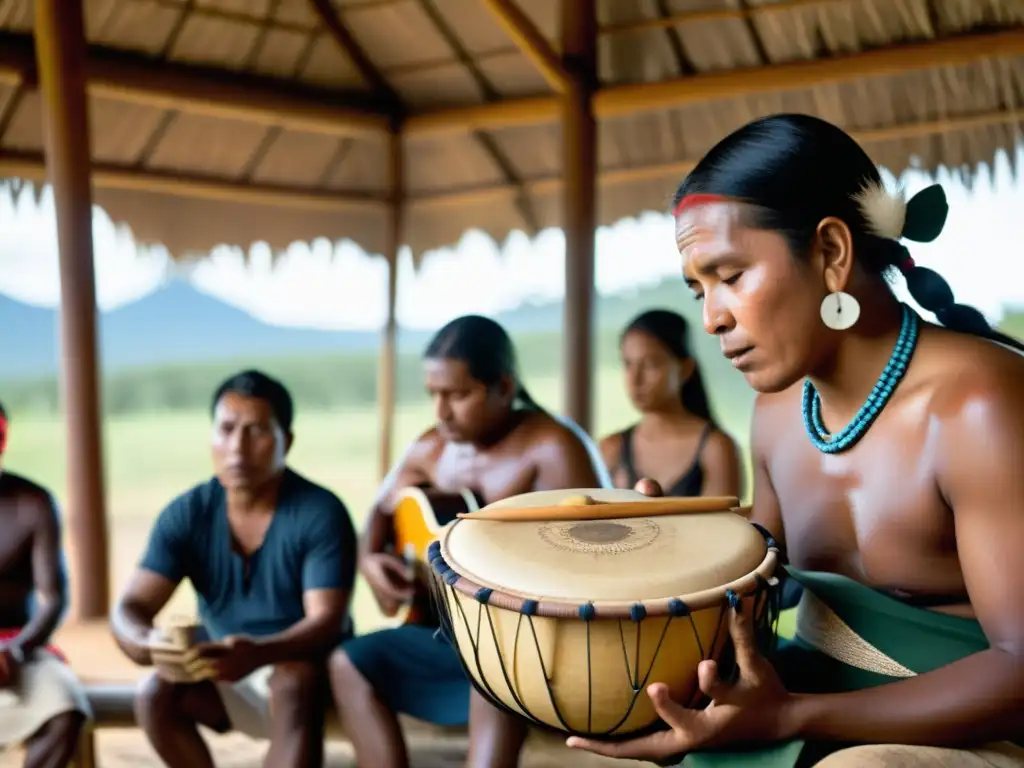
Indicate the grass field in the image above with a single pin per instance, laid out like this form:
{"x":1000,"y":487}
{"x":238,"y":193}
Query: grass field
{"x":152,"y":457}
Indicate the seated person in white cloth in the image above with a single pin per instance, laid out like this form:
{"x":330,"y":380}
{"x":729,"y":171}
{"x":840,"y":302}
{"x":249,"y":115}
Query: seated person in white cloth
{"x":42,"y":704}
{"x":272,"y":558}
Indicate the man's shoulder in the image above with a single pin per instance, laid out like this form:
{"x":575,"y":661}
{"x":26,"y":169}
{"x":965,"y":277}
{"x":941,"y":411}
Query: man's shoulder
{"x":22,"y":487}
{"x":27,"y":496}
{"x":200,"y":499}
{"x":304,"y":493}
{"x":543,"y":429}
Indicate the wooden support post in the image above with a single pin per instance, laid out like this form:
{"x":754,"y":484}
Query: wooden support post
{"x":389,"y":342}
{"x":61,"y":56}
{"x":579,"y":152}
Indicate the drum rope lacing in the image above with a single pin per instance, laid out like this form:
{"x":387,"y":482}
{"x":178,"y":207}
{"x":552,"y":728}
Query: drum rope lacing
{"x":766,"y":596}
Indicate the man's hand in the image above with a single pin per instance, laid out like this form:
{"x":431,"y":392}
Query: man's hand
{"x":227,"y":661}
{"x":388,"y":578}
{"x":755,"y":708}
{"x":8,"y":668}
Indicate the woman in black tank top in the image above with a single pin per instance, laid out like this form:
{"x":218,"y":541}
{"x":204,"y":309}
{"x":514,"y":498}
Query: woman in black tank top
{"x":676,"y":441}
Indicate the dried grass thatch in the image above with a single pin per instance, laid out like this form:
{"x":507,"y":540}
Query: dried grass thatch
{"x":305,"y":176}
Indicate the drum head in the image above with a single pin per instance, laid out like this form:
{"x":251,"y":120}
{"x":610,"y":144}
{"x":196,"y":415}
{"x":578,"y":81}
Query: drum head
{"x":615,"y":560}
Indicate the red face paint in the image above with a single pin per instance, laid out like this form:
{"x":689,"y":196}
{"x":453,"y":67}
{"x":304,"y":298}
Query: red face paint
{"x":3,"y":435}
{"x":691,"y":201}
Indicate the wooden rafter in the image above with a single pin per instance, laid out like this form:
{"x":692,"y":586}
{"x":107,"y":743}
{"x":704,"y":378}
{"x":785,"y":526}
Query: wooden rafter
{"x":523,"y":203}
{"x":203,"y":90}
{"x":616,"y":176}
{"x":628,"y":99}
{"x":528,"y":39}
{"x":30,"y":166}
{"x":351,"y":48}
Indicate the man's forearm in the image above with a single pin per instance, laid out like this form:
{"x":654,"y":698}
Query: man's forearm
{"x":975,"y":700}
{"x":312,"y":636}
{"x":40,"y":627}
{"x":131,"y":631}
{"x":375,"y":538}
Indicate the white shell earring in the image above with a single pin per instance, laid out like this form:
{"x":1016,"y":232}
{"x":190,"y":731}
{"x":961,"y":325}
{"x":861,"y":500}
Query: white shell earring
{"x":839,"y":311}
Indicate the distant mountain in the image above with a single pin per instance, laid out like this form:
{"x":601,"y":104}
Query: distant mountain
{"x":175,"y":324}
{"x":178,"y":324}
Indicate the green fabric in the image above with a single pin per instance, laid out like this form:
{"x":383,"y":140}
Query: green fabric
{"x":919,"y":639}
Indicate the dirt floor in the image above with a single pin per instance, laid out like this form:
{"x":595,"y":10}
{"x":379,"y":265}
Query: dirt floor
{"x":128,"y":749}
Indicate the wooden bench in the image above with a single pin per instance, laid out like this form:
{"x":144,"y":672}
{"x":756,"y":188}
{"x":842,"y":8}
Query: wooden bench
{"x":112,"y":708}
{"x":110,"y":681}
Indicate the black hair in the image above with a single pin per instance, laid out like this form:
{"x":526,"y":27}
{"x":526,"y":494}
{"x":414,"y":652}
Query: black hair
{"x":795,"y":170}
{"x":256,"y":384}
{"x":486,"y":349}
{"x":672,"y":331}
{"x":3,"y":413}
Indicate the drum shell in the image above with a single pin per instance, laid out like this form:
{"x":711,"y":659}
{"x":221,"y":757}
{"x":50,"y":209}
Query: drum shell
{"x":546,"y":625}
{"x":583,"y":677}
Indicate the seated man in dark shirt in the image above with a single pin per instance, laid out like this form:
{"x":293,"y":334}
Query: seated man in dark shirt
{"x":272,"y":558}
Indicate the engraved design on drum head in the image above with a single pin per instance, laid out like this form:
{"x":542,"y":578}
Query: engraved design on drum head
{"x":600,"y":537}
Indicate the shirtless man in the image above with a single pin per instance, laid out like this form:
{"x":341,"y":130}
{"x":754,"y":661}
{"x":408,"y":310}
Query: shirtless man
{"x":272,"y":557}
{"x":887,"y":456}
{"x":492,"y":438}
{"x":42,"y":703}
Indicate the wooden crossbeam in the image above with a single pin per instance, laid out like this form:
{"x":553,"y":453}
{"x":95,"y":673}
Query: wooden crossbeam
{"x":528,"y":39}
{"x":30,"y":166}
{"x":627,"y":99}
{"x":203,"y":90}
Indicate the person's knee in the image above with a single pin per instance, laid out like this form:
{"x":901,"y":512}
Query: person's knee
{"x":294,"y":685}
{"x":156,"y":699}
{"x":348,"y":684}
{"x":342,"y":670}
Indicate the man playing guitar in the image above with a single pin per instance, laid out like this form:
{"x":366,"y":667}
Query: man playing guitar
{"x":494,"y":440}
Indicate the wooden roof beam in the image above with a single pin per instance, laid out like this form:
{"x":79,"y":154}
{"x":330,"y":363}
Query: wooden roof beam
{"x":31,"y":166}
{"x":627,"y":99}
{"x":351,"y":48}
{"x":533,"y":45}
{"x":550,"y":185}
{"x":201,"y":90}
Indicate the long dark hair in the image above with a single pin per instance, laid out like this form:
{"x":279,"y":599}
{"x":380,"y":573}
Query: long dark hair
{"x":486,"y":349}
{"x":672,"y":331}
{"x":795,"y":170}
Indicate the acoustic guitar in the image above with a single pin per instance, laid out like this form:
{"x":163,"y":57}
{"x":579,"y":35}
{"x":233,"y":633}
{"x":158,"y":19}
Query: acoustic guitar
{"x":420,"y":514}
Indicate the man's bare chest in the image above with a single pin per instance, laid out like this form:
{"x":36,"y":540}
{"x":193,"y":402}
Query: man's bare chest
{"x":874,"y":515}
{"x":491,"y":475}
{"x":15,"y":548}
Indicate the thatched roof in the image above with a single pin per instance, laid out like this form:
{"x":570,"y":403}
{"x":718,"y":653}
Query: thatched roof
{"x":233,"y":121}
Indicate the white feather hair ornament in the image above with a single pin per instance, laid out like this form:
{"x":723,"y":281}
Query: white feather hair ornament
{"x":884,"y":210}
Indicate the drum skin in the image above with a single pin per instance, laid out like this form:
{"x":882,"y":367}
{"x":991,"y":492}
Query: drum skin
{"x":588,"y":677}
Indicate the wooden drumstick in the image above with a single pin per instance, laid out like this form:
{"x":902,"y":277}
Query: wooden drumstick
{"x":586,"y":508}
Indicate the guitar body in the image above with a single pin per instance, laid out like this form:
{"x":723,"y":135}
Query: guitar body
{"x":419,"y":516}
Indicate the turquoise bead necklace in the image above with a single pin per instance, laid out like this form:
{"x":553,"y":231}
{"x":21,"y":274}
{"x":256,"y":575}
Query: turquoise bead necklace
{"x":827,"y":442}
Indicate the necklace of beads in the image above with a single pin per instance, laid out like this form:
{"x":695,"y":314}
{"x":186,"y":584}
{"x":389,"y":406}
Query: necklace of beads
{"x":825,"y":441}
